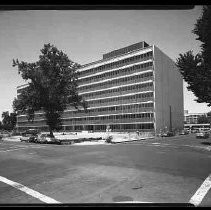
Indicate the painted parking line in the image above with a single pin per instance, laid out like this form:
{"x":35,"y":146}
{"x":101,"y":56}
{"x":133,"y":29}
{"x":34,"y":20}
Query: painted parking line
{"x":153,"y":145}
{"x":29,"y":191}
{"x":197,"y":198}
{"x":9,"y":150}
{"x":207,"y":148}
{"x":32,"y":146}
{"x":19,"y":148}
{"x":133,"y":202}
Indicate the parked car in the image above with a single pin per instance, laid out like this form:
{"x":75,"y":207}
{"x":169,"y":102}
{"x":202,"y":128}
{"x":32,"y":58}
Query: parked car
{"x":45,"y":138}
{"x":195,"y":131}
{"x":28,"y":138}
{"x":202,"y":134}
{"x":29,"y":135}
{"x":5,"y":133}
{"x":167,"y":134}
{"x":183,"y":132}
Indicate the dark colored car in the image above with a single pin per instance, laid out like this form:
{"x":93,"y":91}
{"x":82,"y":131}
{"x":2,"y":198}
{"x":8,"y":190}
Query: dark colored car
{"x":44,"y":138}
{"x":29,"y":135}
{"x":167,"y":134}
{"x":183,"y":132}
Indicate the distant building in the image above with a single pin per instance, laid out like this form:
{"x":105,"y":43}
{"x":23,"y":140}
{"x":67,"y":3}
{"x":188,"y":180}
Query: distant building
{"x":185,"y":112}
{"x":196,"y":127}
{"x":192,"y":118}
{"x":137,"y":87}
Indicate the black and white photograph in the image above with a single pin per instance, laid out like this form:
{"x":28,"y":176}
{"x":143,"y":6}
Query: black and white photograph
{"x":105,"y":106}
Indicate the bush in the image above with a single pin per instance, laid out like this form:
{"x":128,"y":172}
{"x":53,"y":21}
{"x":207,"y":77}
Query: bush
{"x":109,"y":139}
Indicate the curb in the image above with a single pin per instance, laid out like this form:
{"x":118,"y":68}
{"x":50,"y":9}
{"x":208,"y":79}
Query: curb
{"x":132,"y":140}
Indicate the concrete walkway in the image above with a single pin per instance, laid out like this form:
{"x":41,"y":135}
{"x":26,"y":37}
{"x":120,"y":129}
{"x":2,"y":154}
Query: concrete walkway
{"x":116,"y":137}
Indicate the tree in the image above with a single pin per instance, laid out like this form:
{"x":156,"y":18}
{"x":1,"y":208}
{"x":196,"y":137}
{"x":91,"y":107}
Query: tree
{"x":5,"y":120}
{"x":209,"y":117}
{"x":52,"y":86}
{"x":13,"y":120}
{"x":203,"y":119}
{"x":8,"y":120}
{"x":196,"y":69}
{"x":209,"y":114}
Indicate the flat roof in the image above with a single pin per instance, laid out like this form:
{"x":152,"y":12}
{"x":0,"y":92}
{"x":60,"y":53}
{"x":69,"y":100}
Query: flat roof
{"x":21,"y":86}
{"x":116,"y":56}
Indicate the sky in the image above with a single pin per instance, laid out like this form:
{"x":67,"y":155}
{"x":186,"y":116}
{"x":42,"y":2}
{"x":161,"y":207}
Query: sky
{"x":85,"y":35}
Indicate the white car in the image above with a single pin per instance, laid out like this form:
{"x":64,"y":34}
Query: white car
{"x":28,"y":137}
{"x":46,"y":139}
{"x":202,"y":134}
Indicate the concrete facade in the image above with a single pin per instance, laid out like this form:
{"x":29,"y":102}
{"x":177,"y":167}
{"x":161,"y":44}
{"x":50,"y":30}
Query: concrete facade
{"x":168,"y":93}
{"x":192,"y":118}
{"x":130,"y":89}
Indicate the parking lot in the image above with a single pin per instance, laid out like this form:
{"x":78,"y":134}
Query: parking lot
{"x":163,"y":170}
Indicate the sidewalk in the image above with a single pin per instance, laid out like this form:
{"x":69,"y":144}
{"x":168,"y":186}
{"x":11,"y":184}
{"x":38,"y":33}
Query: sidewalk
{"x":11,"y":138}
{"x":97,"y":138}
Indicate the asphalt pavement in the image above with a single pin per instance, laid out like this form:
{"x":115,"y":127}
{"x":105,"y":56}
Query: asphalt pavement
{"x":170,"y":170}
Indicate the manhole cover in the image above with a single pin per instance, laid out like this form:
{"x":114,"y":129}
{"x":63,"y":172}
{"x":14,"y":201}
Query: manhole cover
{"x":137,"y":187}
{"x":122,"y":198}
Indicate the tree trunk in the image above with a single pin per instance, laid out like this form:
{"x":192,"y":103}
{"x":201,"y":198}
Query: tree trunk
{"x":51,"y":132}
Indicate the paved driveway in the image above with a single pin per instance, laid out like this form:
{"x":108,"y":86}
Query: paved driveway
{"x":157,"y":171}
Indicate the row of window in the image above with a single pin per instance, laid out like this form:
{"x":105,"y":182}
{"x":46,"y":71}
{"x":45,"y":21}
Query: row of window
{"x":116,"y":64}
{"x":108,"y":100}
{"x":112,"y":117}
{"x":118,"y":90}
{"x":132,"y":126}
{"x":34,"y":123}
{"x":135,"y":78}
{"x":125,"y":98}
{"x":146,"y":116}
{"x":144,"y":126}
{"x":104,"y":109}
{"x":115,"y":108}
{"x":21,"y":89}
{"x":125,"y":50}
{"x":119,"y":72}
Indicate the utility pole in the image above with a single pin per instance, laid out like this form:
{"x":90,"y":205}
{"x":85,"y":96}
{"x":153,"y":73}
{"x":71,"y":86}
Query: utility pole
{"x":17,"y":122}
{"x":170,"y":125}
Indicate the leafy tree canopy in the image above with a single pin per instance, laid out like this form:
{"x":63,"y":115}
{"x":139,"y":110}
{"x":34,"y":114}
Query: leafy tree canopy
{"x":8,"y":121}
{"x":203,"y":119}
{"x":196,"y":69}
{"x":52,"y":86}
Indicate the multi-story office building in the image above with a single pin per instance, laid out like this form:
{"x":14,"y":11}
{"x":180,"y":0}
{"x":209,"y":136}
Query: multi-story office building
{"x":133,"y":88}
{"x":192,"y":118}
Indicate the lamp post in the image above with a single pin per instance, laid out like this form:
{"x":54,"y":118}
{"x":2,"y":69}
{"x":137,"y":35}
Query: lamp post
{"x":170,"y":125}
{"x":17,"y":122}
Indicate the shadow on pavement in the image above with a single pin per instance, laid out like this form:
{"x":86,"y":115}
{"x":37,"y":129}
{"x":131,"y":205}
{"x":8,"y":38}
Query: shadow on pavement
{"x":206,"y":143}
